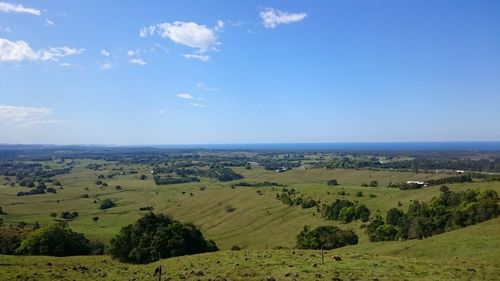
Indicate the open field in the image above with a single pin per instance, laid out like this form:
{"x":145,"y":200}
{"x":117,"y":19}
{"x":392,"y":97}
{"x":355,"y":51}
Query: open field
{"x":470,"y":253}
{"x":258,"y":222}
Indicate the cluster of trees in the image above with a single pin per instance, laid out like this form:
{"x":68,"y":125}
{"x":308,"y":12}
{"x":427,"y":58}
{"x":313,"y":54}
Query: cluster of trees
{"x":69,"y":215}
{"x":175,"y":175}
{"x":345,"y":210}
{"x":256,"y":184}
{"x":156,"y":236}
{"x":449,"y":180}
{"x":165,"y":180}
{"x":451,"y":210}
{"x":325,"y":237}
{"x":52,"y":240}
{"x":275,"y":164}
{"x":41,"y":188}
{"x":373,"y":183}
{"x":420,"y":162}
{"x":424,"y":162}
{"x":291,"y":197}
{"x":221,"y":174}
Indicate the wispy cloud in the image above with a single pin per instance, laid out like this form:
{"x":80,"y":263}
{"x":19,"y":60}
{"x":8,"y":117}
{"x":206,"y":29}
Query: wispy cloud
{"x":137,"y":61}
{"x":105,"y":53}
{"x":15,"y":8}
{"x":49,"y":23}
{"x":185,"y":96}
{"x":26,"y":116}
{"x":21,"y":50}
{"x":197,"y":57}
{"x":198,"y":105}
{"x":272,"y":17}
{"x":203,"y":87}
{"x":105,"y":66}
{"x":5,"y":29}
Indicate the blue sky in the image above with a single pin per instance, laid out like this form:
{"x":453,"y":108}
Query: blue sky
{"x":184,"y":72}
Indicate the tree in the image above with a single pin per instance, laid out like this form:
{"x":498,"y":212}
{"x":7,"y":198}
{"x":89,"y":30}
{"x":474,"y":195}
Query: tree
{"x":156,"y":236}
{"x":106,"y":204}
{"x":95,"y":219}
{"x":333,"y":182}
{"x":362,"y":212}
{"x":54,"y":240}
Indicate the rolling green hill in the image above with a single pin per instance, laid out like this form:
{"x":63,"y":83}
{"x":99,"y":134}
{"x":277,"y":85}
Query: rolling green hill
{"x":470,"y":253}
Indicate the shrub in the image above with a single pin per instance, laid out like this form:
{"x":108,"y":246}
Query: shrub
{"x":54,"y":240}
{"x":235,"y":248}
{"x":156,"y":236}
{"x":333,"y":182}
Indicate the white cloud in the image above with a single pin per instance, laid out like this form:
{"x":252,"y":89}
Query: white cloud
{"x":130,"y":53}
{"x":271,"y":17}
{"x":197,"y":57}
{"x":13,"y":8}
{"x":198,"y":105}
{"x":219,"y":25}
{"x":160,"y":112}
{"x":191,"y":34}
{"x":65,"y":64}
{"x":25,"y":116}
{"x":185,"y":96}
{"x":105,"y":53}
{"x":105,"y":66}
{"x":21,"y":50}
{"x":137,"y":61}
{"x":203,"y":87}
{"x":49,"y":23}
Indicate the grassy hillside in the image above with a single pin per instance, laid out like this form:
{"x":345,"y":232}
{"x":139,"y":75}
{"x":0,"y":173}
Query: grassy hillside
{"x":470,"y":253}
{"x":258,"y":221}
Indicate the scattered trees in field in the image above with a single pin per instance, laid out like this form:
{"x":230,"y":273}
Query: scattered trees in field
{"x":156,"y":236}
{"x":325,"y":237}
{"x":291,"y":197}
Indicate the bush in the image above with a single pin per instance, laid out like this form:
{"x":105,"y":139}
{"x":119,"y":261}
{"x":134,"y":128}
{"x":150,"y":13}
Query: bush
{"x":54,"y":240}
{"x":333,"y":182}
{"x":106,"y":204}
{"x":326,"y":237}
{"x":235,"y":248}
{"x":156,"y":236}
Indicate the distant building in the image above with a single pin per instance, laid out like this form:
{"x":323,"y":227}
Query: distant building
{"x":417,"y":183}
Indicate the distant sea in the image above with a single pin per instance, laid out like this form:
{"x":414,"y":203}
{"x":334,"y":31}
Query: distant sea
{"x":352,"y":146}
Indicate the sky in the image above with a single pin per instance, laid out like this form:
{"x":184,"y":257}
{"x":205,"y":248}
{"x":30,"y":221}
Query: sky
{"x":207,"y":72}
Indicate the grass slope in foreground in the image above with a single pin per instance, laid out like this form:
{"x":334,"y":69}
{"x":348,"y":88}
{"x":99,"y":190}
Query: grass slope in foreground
{"x":471,"y":253}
